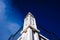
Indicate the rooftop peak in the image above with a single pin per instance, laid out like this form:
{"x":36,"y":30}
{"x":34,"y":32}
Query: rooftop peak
{"x":29,"y":13}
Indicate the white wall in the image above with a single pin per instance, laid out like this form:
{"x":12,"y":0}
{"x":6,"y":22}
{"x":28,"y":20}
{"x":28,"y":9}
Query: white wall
{"x":29,"y":32}
{"x":36,"y":37}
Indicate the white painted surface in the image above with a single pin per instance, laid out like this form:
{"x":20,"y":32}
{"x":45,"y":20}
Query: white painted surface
{"x":28,"y":27}
{"x":43,"y":37}
{"x":36,"y":37}
{"x":29,"y":34}
{"x":29,"y":20}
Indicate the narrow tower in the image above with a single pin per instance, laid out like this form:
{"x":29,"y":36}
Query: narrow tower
{"x":30,"y":31}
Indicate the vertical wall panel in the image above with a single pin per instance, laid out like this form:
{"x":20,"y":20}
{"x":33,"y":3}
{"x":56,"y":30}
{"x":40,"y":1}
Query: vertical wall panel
{"x":29,"y":34}
{"x":36,"y":37}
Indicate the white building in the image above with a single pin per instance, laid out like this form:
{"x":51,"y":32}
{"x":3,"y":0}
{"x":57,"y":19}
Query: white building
{"x":30,"y":31}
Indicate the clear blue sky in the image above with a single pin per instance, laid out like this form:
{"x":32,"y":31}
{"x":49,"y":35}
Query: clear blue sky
{"x":9,"y":20}
{"x":12,"y":13}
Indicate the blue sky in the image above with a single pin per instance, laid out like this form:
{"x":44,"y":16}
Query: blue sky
{"x":12,"y":13}
{"x":9,"y":23}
